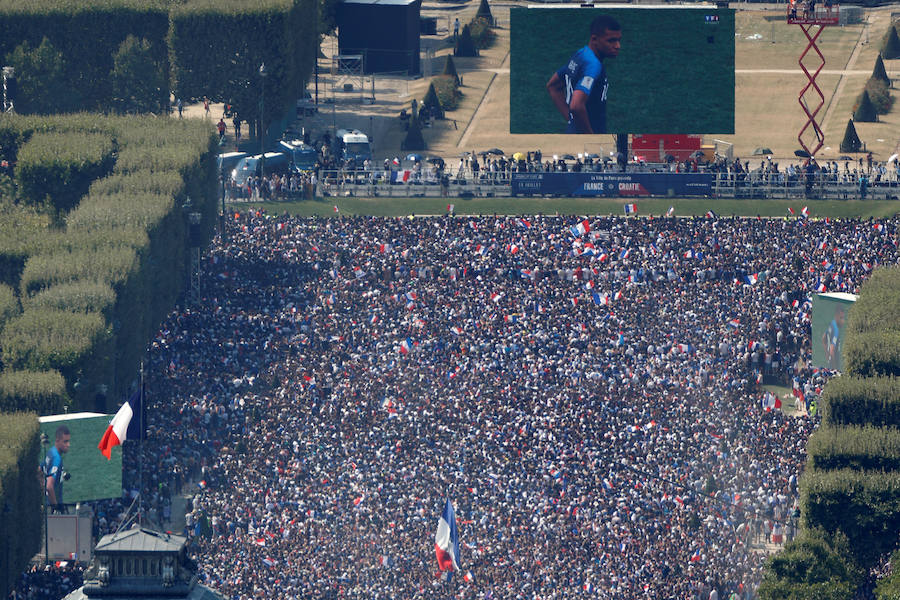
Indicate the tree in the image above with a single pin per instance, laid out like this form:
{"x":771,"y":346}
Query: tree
{"x":484,"y":11}
{"x":812,"y":567}
{"x":465,"y":45}
{"x":851,"y":142}
{"x":450,"y":69}
{"x":432,"y":103}
{"x":865,"y":110}
{"x":879,"y":72}
{"x":880,"y":95}
{"x":414,"y":139}
{"x":137,"y":81}
{"x":42,"y":76}
{"x":891,"y":47}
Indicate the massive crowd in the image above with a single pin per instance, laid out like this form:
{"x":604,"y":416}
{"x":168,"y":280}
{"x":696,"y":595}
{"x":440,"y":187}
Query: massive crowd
{"x":587,"y":398}
{"x":585,"y":391}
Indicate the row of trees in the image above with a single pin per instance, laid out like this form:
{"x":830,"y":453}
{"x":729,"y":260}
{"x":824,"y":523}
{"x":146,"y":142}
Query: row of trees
{"x":444,"y":92}
{"x":874,"y":100}
{"x":131,"y":54}
{"x":850,"y":490}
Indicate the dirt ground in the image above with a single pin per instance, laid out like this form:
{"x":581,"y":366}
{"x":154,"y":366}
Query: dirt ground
{"x":767,"y":113}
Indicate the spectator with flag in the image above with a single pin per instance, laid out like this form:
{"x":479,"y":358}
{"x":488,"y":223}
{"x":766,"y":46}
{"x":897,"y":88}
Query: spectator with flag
{"x":446,"y":541}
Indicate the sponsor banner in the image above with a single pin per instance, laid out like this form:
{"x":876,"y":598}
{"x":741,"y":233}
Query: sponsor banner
{"x":612,"y":184}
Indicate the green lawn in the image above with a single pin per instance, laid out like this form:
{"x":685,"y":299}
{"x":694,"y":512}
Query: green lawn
{"x":396,"y":207}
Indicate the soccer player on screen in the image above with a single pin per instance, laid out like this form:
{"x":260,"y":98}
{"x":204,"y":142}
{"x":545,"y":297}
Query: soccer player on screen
{"x":53,"y":469}
{"x":578,"y":89}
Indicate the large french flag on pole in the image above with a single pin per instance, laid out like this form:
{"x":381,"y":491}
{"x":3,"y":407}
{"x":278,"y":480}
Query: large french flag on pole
{"x":117,"y":432}
{"x":446,"y":540}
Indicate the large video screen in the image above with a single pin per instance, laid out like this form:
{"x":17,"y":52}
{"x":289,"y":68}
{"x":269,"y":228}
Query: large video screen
{"x":666,"y":70}
{"x":829,"y":319}
{"x":91,"y":476}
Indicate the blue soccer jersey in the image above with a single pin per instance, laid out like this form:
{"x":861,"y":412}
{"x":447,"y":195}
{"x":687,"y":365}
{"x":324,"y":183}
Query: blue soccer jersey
{"x":53,"y":468}
{"x":585,"y":72}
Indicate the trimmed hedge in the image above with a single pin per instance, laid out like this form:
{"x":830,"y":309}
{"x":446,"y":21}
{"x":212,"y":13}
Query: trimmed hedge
{"x":82,"y":295}
{"x":880,"y":95}
{"x":127,"y":237}
{"x":872,"y":340}
{"x":465,"y":44}
{"x":43,"y":392}
{"x":58,"y":168}
{"x":857,"y":401}
{"x":811,"y":567}
{"x":890,"y":47}
{"x":859,"y":448}
{"x":41,"y":339}
{"x":217,"y":47}
{"x":110,"y":265}
{"x":878,"y":304}
{"x":851,"y":141}
{"x":89,"y":34}
{"x":9,"y":304}
{"x":450,"y":69}
{"x":20,"y":496}
{"x":482,"y":34}
{"x":865,"y":506}
{"x":447,"y":92}
{"x":432,"y":103}
{"x":21,"y":229}
{"x":872,"y":354}
{"x":865,"y":111}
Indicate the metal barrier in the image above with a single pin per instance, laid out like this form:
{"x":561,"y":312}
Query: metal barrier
{"x":419,"y":184}
{"x":820,"y":186}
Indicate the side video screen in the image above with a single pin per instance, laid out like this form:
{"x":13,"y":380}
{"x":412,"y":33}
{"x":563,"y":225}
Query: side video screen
{"x":617,"y":69}
{"x":85,"y":474}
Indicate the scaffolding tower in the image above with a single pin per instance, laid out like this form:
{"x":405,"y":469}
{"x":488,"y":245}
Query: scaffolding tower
{"x":812,"y":19}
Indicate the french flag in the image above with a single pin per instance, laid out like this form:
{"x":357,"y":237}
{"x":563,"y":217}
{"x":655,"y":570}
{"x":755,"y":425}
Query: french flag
{"x":671,"y":211}
{"x":446,"y":540}
{"x":525,"y":223}
{"x":710,"y":214}
{"x":468,"y":578}
{"x":630,"y":208}
{"x":770,"y":401}
{"x":805,"y":212}
{"x":695,"y":557}
{"x":456,"y":330}
{"x":601,"y":299}
{"x":751,"y":279}
{"x":406,"y":345}
{"x":581,"y":228}
{"x":400,"y":176}
{"x":117,"y":431}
